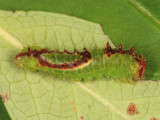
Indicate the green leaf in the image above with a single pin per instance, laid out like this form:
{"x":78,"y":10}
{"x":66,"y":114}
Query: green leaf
{"x":125,"y":23}
{"x":32,"y":96}
{"x":28,"y":95}
{"x":149,"y":35}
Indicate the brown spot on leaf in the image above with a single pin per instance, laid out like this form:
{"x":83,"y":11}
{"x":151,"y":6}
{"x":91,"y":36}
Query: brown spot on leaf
{"x":82,"y":118}
{"x":153,"y":118}
{"x":75,"y":109}
{"x":132,"y":110}
{"x":70,"y":103}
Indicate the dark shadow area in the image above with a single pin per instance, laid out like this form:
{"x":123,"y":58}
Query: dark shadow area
{"x":3,"y":112}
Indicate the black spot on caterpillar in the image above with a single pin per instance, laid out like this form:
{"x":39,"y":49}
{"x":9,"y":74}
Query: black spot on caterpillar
{"x":86,"y":65}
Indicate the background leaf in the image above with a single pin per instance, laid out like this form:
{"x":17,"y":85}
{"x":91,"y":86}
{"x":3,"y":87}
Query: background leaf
{"x":123,"y":21}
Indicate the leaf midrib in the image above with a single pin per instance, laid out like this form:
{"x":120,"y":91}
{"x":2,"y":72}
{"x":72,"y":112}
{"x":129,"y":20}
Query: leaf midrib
{"x":102,"y":100}
{"x":145,"y":12}
{"x":11,"y":39}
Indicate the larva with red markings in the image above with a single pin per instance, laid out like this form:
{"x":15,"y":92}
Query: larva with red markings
{"x":86,"y":65}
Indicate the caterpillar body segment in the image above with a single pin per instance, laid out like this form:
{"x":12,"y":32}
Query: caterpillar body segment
{"x":87,"y":65}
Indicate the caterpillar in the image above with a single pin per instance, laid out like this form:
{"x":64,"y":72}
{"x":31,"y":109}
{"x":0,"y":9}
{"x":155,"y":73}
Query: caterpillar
{"x":85,"y":65}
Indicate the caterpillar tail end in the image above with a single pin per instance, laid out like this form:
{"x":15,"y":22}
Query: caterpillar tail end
{"x":138,"y":75}
{"x":142,"y":64}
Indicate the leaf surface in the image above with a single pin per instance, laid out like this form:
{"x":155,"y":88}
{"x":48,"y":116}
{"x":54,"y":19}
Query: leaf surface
{"x":33,"y":96}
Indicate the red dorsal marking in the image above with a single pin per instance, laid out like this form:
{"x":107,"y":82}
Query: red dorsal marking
{"x":109,"y":51}
{"x":85,"y":58}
